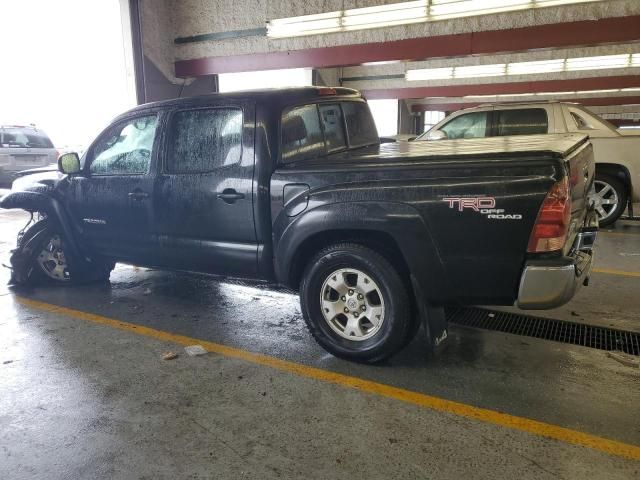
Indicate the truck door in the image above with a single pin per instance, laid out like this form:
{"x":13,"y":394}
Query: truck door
{"x":203,"y":200}
{"x":110,"y":201}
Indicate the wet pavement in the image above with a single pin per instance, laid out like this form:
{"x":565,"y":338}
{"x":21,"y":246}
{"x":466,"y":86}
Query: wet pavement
{"x":84,"y":400}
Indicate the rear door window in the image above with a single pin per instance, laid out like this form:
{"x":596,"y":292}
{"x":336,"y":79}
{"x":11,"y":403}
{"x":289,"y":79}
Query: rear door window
{"x":521,"y":121}
{"x":16,"y":138}
{"x":125,"y":149}
{"x":302,"y":136}
{"x":580,"y":122}
{"x":333,"y":125}
{"x":360,"y":127}
{"x":205,"y":139}
{"x":468,"y":125}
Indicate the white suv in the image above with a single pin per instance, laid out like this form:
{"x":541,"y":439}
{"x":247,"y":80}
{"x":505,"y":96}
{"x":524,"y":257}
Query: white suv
{"x":22,"y":148}
{"x":617,"y":183}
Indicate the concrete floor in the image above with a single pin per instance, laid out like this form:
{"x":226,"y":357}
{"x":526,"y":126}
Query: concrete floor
{"x":80,"y":399}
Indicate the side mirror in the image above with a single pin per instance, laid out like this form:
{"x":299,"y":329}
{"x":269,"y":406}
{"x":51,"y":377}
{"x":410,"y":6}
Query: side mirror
{"x":69,"y":163}
{"x":437,"y":135}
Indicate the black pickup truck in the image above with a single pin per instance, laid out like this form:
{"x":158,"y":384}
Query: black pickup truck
{"x":293,"y":187}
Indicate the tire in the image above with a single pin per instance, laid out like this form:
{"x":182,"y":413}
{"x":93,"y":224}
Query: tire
{"x":608,"y":189}
{"x":39,"y":259}
{"x":378,"y":291}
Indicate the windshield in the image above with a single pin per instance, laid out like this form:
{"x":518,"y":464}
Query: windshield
{"x":23,"y":138}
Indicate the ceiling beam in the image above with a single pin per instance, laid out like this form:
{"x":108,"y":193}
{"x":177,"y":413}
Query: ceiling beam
{"x":444,"y":106}
{"x":568,"y":34}
{"x":592,"y":83}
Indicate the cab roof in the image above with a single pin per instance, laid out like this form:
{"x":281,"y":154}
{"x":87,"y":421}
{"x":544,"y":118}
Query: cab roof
{"x":277,"y":96}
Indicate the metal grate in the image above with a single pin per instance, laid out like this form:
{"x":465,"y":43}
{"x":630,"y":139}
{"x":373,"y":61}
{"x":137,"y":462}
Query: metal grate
{"x":601,"y":338}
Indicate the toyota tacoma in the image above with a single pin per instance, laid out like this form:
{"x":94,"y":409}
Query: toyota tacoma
{"x":293,"y":187}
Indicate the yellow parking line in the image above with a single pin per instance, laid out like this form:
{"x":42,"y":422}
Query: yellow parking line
{"x":610,"y":271}
{"x":533,"y":427}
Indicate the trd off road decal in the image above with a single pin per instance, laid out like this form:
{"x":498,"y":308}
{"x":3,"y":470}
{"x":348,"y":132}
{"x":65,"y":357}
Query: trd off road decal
{"x":483,"y":205}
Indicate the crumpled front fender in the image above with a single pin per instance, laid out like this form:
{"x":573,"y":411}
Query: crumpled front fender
{"x":35,"y":201}
{"x":29,"y":201}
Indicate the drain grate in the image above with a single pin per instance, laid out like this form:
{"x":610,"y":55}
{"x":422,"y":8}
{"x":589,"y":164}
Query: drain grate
{"x":601,"y":338}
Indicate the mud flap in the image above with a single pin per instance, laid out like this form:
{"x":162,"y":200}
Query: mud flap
{"x":434,"y":321}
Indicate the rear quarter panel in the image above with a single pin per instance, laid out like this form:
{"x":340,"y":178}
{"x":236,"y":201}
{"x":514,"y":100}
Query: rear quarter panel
{"x":437,"y":212}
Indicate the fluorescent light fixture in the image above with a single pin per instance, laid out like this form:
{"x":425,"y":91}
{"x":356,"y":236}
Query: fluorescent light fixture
{"x":480,"y":96}
{"x":609,"y":90}
{"x":430,"y":74}
{"x":625,"y":60}
{"x":503,"y":95}
{"x":402,"y":13}
{"x":495,"y":70}
{"x":598,"y":63}
{"x":635,"y":89}
{"x":547,"y":94}
{"x":542,"y":66}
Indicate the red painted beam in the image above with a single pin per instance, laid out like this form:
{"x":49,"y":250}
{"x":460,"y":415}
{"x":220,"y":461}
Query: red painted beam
{"x":588,"y":102}
{"x":593,"y":83}
{"x":586,"y":32}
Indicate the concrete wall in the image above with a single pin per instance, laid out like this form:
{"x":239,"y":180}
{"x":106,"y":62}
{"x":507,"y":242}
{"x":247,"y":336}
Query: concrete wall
{"x":157,"y":22}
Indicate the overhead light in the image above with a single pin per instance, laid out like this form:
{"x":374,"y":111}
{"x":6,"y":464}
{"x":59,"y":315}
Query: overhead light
{"x":480,"y":71}
{"x":625,"y":60}
{"x":402,"y":13}
{"x":608,"y":90}
{"x":546,"y":94}
{"x":554,"y":94}
{"x":430,"y":74}
{"x":542,"y":66}
{"x":598,"y":63}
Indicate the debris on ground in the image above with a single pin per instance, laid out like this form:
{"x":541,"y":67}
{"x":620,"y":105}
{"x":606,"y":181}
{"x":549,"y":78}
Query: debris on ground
{"x":169,"y":355}
{"x":195,"y":350}
{"x":147,"y":291}
{"x":624,"y":359}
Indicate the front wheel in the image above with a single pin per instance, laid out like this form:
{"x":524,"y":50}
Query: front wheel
{"x":355,"y":303}
{"x":41,"y":257}
{"x":609,"y":196}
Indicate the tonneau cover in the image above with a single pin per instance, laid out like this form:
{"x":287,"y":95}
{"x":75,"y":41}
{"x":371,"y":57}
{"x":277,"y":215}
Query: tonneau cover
{"x":557,"y":145}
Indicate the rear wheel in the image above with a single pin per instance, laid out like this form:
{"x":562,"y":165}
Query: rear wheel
{"x":355,"y":303}
{"x":610,"y":198}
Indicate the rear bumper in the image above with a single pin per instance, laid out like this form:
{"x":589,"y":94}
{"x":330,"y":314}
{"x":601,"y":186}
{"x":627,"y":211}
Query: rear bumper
{"x":548,"y":284}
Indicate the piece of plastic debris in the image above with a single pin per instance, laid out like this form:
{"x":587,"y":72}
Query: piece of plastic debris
{"x":195,"y":350}
{"x":624,"y":359}
{"x":147,"y":291}
{"x":492,"y":315}
{"x":169,"y":355}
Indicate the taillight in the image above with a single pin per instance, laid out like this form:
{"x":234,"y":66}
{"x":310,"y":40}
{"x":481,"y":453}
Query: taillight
{"x":552,"y":225}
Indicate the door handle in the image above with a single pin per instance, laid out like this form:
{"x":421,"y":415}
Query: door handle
{"x":229,"y":195}
{"x":138,"y":195}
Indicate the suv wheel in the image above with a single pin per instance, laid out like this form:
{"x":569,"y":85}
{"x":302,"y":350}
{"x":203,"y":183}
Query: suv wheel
{"x":355,"y":303}
{"x":610,"y":198}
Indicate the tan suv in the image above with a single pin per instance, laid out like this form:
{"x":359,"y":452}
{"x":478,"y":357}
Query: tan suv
{"x":22,"y":148}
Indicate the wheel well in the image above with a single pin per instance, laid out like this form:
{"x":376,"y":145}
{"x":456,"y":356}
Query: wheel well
{"x":381,"y":242}
{"x":616,"y":171}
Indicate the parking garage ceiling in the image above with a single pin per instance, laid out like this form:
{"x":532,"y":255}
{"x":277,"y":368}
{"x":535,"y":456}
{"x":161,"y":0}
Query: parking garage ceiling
{"x":436,"y":54}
